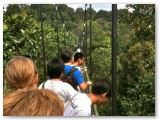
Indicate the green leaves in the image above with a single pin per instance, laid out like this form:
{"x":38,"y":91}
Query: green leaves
{"x":137,"y":62}
{"x":135,"y":56}
{"x":143,"y":20}
{"x":136,"y":79}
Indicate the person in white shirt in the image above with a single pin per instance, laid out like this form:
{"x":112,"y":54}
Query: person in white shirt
{"x":55,"y":70}
{"x":80,"y":104}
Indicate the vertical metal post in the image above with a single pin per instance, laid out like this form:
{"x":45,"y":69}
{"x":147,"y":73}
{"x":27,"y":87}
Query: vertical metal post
{"x":86,"y":30}
{"x":69,"y":40}
{"x":90,"y":41}
{"x":3,"y":9}
{"x":70,"y":43}
{"x":57,"y":28}
{"x":84,"y":26}
{"x":64,"y":36}
{"x":114,"y":59}
{"x":43,"y":42}
{"x":94,"y":106}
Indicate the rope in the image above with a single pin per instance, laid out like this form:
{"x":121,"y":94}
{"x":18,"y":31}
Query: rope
{"x":57,"y":28}
{"x":65,"y":27}
{"x":94,"y":108}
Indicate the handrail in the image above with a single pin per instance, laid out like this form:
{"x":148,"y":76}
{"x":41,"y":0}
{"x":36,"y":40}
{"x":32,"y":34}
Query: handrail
{"x":89,"y":88}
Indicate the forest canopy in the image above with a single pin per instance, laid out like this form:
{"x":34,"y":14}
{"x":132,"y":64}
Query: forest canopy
{"x":22,"y":34}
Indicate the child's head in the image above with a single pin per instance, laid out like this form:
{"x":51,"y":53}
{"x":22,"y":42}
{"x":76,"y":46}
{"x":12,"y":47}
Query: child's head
{"x":66,"y":55}
{"x":32,"y":103}
{"x":79,"y":57}
{"x":55,"y":68}
{"x":102,"y":89}
{"x":20,"y":72}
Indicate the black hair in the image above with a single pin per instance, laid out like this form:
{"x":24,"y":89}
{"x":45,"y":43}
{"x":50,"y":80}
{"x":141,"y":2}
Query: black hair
{"x":101,"y":86}
{"x":55,"y":68}
{"x":66,"y":55}
{"x":77,"y":56}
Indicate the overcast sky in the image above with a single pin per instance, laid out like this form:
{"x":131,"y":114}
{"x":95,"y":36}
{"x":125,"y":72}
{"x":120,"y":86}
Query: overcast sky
{"x":97,"y":6}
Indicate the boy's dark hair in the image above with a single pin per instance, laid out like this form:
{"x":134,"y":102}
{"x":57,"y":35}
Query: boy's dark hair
{"x":101,"y":86}
{"x":55,"y":68}
{"x":77,"y":56}
{"x":66,"y":55}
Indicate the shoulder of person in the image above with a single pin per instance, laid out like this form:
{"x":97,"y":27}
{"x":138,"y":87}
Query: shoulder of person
{"x":65,"y":84}
{"x":68,"y":66}
{"x":68,"y":89}
{"x":77,"y":71}
{"x":81,"y":96}
{"x":45,"y":82}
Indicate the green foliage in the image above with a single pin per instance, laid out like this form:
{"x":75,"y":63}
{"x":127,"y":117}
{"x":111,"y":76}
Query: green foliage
{"x":101,"y":62}
{"x":136,"y":50}
{"x":80,"y":13}
{"x":143,"y":20}
{"x":106,"y":15}
{"x":12,"y":9}
{"x":105,"y":109}
{"x":99,"y":37}
{"x":138,"y":100}
{"x":93,"y":13}
{"x":136,"y":80}
{"x":125,"y":37}
{"x":17,"y":32}
{"x":136,"y":61}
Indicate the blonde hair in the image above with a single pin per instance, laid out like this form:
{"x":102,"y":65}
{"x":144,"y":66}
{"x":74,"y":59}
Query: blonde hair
{"x":32,"y":103}
{"x":20,"y":72}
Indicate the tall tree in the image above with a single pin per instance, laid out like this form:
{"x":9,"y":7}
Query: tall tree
{"x":13,"y":9}
{"x":143,"y":19}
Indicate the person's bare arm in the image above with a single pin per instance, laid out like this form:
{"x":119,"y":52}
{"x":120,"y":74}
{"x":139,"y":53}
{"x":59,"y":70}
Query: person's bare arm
{"x":84,"y":85}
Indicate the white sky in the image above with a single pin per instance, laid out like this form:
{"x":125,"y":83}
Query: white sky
{"x":97,"y":6}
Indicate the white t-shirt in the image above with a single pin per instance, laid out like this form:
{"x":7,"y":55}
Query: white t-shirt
{"x":80,"y":105}
{"x":62,"y":89}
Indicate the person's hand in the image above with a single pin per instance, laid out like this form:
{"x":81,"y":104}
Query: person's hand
{"x":89,"y":82}
{"x":83,"y":69}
